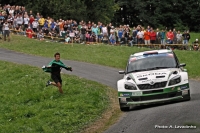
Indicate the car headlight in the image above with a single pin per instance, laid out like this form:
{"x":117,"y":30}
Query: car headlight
{"x":129,"y":86}
{"x":175,"y":80}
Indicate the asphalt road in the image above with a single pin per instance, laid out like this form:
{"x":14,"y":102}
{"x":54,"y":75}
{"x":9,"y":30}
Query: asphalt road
{"x":140,"y":120}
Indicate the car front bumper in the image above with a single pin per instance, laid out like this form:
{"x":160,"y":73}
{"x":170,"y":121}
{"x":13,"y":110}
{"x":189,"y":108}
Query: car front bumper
{"x":148,"y":97}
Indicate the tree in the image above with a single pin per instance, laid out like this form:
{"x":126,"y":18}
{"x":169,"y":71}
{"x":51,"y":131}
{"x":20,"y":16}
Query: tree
{"x":93,"y":10}
{"x":98,"y":10}
{"x":159,"y":13}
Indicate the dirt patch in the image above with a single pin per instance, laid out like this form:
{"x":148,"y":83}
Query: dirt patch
{"x":109,"y":117}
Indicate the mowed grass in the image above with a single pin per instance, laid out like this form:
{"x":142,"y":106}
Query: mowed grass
{"x":28,"y":106}
{"x":113,"y":56}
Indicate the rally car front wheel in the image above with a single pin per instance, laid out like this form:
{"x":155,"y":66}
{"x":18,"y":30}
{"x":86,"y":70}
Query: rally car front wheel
{"x":123,"y":106}
{"x":187,"y":97}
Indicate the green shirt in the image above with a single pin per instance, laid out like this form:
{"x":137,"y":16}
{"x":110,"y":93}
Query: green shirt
{"x":56,"y":67}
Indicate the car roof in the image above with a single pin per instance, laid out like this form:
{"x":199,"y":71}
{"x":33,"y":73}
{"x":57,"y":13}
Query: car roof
{"x":152,"y":51}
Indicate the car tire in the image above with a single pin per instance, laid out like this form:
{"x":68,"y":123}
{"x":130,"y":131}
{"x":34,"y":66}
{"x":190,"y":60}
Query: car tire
{"x":124,"y":109}
{"x":123,"y":106}
{"x":187,"y":97}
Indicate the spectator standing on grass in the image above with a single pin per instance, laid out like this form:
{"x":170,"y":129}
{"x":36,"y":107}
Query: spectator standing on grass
{"x":104,"y":30}
{"x":31,"y":19}
{"x":158,"y":36}
{"x":53,"y":25}
{"x":147,"y":37}
{"x":37,"y":16}
{"x":41,"y":22}
{"x":119,"y":34}
{"x":162,"y":41}
{"x":134,"y":34}
{"x":7,"y":9}
{"x":23,"y":11}
{"x":175,"y":39}
{"x":83,"y":32}
{"x":152,"y":36}
{"x":126,"y":35}
{"x":26,"y":22}
{"x":99,"y":36}
{"x":185,"y":38}
{"x":179,"y":37}
{"x":35,"y":25}
{"x":11,"y":11}
{"x":6,"y":30}
{"x":140,"y":36}
{"x":17,"y":11}
{"x":61,"y":23}
{"x":57,"y":26}
{"x":89,"y":29}
{"x":109,"y":28}
{"x":46,"y":24}
{"x":95,"y":31}
{"x":49,"y":20}
{"x":20,"y":20}
{"x":170,"y":36}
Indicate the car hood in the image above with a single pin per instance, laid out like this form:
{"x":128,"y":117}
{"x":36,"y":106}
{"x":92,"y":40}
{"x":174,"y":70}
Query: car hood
{"x":146,"y":77}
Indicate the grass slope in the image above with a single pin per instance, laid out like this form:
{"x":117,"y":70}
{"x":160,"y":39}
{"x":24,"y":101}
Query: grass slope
{"x":97,"y":54}
{"x":28,"y":106}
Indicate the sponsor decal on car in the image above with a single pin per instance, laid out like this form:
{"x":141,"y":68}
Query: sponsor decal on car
{"x":150,"y":74}
{"x":183,"y":87}
{"x":124,"y":94}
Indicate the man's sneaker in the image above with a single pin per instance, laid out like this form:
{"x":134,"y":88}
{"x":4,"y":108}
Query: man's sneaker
{"x":48,"y":83}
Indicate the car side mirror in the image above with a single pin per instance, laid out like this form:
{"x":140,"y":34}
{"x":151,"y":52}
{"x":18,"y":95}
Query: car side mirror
{"x":121,"y":72}
{"x":182,"y":65}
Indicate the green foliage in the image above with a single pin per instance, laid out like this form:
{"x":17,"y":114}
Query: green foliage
{"x":28,"y":106}
{"x":93,"y":10}
{"x":179,"y":26}
{"x":170,"y":13}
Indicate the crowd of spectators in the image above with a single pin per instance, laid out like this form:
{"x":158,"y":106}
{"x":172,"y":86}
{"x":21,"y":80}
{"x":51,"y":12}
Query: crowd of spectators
{"x":34,"y":25}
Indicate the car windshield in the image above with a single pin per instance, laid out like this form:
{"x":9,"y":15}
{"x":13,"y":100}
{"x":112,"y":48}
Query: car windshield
{"x":151,"y":62}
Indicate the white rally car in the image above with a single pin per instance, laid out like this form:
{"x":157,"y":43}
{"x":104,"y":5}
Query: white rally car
{"x":151,"y":77}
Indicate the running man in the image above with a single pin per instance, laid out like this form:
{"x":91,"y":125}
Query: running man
{"x":54,"y":68}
